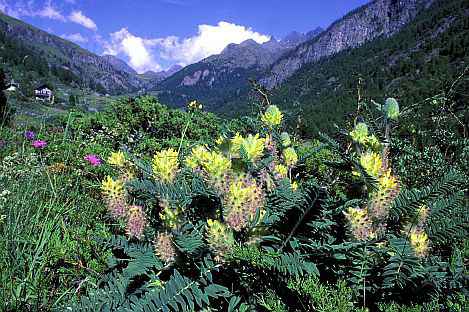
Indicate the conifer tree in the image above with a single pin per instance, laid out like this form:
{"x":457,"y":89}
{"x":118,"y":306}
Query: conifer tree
{"x":4,"y":111}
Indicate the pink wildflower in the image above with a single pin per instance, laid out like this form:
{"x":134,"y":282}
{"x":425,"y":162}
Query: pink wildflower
{"x":39,"y":144}
{"x":94,"y":160}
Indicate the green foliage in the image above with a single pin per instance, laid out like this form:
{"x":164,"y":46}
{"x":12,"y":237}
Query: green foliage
{"x":143,"y":126}
{"x":48,"y":222}
{"x":5,"y":110}
{"x":324,"y":298}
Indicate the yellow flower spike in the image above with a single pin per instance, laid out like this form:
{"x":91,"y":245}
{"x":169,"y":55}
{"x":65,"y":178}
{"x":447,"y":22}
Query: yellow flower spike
{"x":290,"y":156}
{"x":294,"y":186}
{"x":372,"y":163}
{"x":116,"y":159}
{"x":216,"y":164}
{"x":198,"y":156}
{"x":281,"y":170}
{"x":272,"y":116}
{"x":236,"y":142}
{"x":387,"y":181}
{"x":164,"y":248}
{"x":112,"y":188}
{"x":360,"y":223}
{"x":165,"y":165}
{"x":219,"y":238}
{"x":170,"y":217}
{"x":194,"y":105}
{"x":254,"y":146}
{"x":419,"y":242}
{"x":360,"y":133}
{"x":242,"y":200}
{"x":285,"y":139}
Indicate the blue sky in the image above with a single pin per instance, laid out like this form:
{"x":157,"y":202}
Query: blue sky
{"x":155,"y":34}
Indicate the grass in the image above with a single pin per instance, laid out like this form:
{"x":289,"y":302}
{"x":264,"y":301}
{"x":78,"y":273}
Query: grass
{"x":49,"y":222}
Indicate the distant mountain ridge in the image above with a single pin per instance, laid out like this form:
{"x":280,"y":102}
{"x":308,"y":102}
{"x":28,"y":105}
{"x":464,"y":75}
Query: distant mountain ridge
{"x":273,"y":62}
{"x":119,"y":64}
{"x":223,"y":77}
{"x":153,"y":77}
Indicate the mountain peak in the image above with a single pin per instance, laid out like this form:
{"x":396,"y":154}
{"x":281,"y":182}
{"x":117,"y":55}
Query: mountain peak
{"x":119,"y":64}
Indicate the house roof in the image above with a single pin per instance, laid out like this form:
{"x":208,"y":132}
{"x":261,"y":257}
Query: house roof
{"x":43,"y":87}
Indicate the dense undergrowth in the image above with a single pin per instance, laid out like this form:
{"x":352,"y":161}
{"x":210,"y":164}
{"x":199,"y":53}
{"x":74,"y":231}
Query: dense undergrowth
{"x":144,"y":208}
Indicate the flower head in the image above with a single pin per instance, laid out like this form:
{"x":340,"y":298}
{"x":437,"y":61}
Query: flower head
{"x":136,"y":222}
{"x":117,"y":207}
{"x":419,"y":242}
{"x":372,"y":163}
{"x":94,"y":160}
{"x":30,"y":135}
{"x":170,"y":215}
{"x":194,"y":105}
{"x":164,"y":247}
{"x":387,"y":181}
{"x":360,"y":133}
{"x":290,"y":156}
{"x":165,"y":165}
{"x":216,"y":164}
{"x":253,"y":147}
{"x":39,"y":144}
{"x":57,"y":168}
{"x":116,"y":159}
{"x":236,"y":142}
{"x":281,"y":171}
{"x":285,"y":139}
{"x":113,"y":188}
{"x":219,"y":238}
{"x":242,"y":200}
{"x":272,"y":116}
{"x":360,"y":223}
{"x":392,"y":108}
{"x":294,"y":186}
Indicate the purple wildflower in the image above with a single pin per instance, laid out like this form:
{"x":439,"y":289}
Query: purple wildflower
{"x":30,"y":135}
{"x":39,"y":144}
{"x":94,"y":160}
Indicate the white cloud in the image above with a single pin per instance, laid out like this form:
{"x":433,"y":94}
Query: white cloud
{"x":209,"y":40}
{"x":20,"y":8}
{"x":143,"y":53}
{"x":48,"y":11}
{"x":76,"y":37}
{"x":138,"y":50}
{"x":79,"y":18}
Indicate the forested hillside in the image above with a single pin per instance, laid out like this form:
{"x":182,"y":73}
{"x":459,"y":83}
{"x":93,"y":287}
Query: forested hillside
{"x":33,"y":56}
{"x":420,"y":61}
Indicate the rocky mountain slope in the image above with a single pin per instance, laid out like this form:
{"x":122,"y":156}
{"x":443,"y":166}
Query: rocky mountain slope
{"x":152,"y":78}
{"x":224,"y":77}
{"x":273,"y":62}
{"x":420,"y":61}
{"x":65,"y":60}
{"x":119,"y":64}
{"x":378,"y":18}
